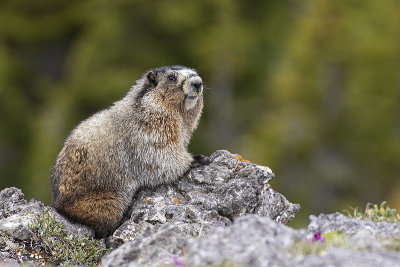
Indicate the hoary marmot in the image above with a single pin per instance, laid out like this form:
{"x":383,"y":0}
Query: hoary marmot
{"x":140,"y":140}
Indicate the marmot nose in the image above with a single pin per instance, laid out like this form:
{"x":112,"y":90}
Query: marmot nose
{"x":196,"y":83}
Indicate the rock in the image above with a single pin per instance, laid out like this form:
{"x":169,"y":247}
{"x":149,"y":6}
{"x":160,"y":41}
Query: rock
{"x":338,"y":222}
{"x":16,"y":217}
{"x":208,"y":206}
{"x":259,"y":241}
{"x":250,"y":241}
{"x":368,"y":243}
{"x":12,"y":202}
{"x":224,"y":213}
{"x":72,"y":228}
{"x":16,"y":214}
{"x":206,"y":197}
{"x":8,"y":262}
{"x":347,"y":257}
{"x":17,"y":226}
{"x":154,"y":248}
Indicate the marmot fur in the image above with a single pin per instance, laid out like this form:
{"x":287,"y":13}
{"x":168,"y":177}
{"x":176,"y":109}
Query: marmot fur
{"x":140,"y":140}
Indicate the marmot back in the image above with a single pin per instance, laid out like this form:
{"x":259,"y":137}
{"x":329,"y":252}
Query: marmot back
{"x":139,"y":141}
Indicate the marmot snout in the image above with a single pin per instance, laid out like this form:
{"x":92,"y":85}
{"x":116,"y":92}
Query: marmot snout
{"x":141,"y":140}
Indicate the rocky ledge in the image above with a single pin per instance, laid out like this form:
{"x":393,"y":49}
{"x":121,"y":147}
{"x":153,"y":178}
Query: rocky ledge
{"x":221,"y":214}
{"x":209,"y":196}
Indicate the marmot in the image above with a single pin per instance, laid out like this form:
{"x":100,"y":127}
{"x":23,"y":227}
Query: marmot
{"x":140,"y":140}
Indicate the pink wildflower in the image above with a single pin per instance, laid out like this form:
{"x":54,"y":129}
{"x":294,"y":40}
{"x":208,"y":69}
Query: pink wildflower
{"x":177,"y":262}
{"x":317,"y":237}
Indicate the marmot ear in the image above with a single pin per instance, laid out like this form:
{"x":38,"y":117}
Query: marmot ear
{"x":152,"y":78}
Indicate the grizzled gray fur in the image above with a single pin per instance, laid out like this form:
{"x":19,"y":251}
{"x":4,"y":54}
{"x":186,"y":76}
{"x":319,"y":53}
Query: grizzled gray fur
{"x":139,"y":141}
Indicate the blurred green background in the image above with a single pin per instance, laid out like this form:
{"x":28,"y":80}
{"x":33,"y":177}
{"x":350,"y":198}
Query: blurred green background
{"x":310,"y":88}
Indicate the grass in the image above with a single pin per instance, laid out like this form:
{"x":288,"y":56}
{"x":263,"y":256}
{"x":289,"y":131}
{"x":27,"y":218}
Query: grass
{"x":50,"y":244}
{"x":372,"y":212}
{"x":332,"y":240}
{"x":375,"y":213}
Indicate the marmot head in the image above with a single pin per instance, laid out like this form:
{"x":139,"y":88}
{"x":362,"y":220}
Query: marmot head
{"x":177,"y":87}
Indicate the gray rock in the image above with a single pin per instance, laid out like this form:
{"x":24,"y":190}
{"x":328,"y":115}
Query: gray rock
{"x":12,"y":202}
{"x":354,"y":258}
{"x":72,"y":228}
{"x":221,"y":213}
{"x":154,"y":248}
{"x":350,"y":226}
{"x":165,"y":223}
{"x":7,"y":262}
{"x":16,"y":214}
{"x":250,"y":241}
{"x":257,"y":241}
{"x":371,"y":243}
{"x":17,"y":226}
{"x":207,"y":197}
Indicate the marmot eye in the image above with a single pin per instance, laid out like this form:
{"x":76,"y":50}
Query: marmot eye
{"x":171,"y":78}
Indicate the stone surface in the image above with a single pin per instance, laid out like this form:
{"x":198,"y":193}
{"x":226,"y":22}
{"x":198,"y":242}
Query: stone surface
{"x":363,"y":234}
{"x":154,"y":248}
{"x":339,"y":222}
{"x":16,"y":214}
{"x":74,"y":229}
{"x":16,"y":226}
{"x":12,"y":202}
{"x":224,"y":213}
{"x":353,"y":258}
{"x":206,"y":197}
{"x":251,"y":241}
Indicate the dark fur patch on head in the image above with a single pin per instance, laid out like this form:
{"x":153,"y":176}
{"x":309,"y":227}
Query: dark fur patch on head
{"x":142,"y":92}
{"x":152,"y":78}
{"x":151,"y":81}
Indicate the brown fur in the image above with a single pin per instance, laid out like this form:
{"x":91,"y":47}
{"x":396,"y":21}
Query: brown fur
{"x":140,"y":141}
